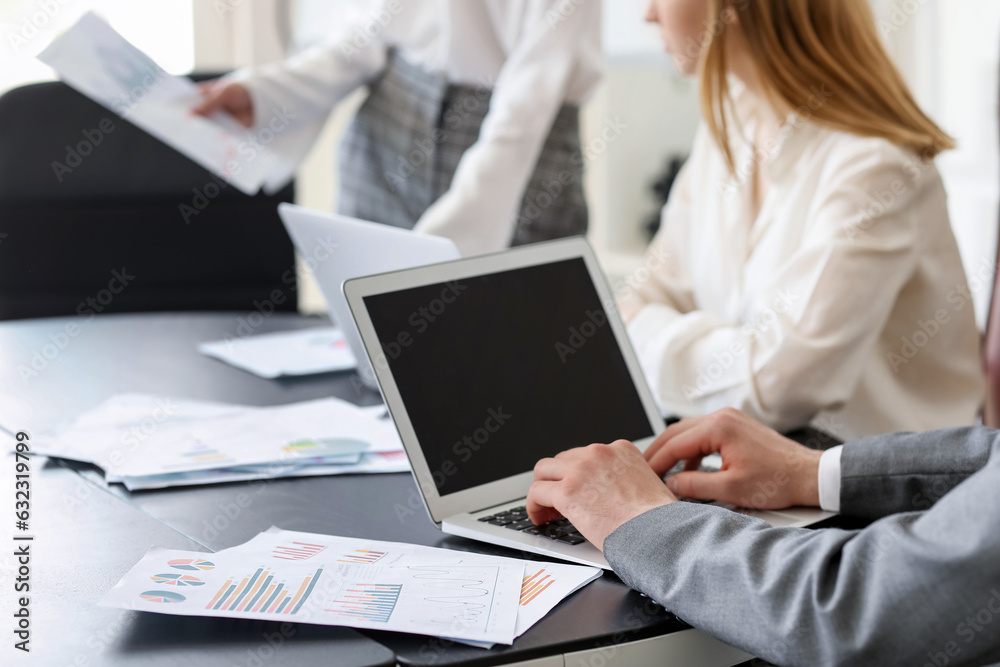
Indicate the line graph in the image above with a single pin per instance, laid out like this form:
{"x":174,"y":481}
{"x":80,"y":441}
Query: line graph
{"x":457,"y":595}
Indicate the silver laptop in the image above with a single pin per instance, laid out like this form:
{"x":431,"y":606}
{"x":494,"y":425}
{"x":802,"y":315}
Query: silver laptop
{"x":336,"y":247}
{"x":491,"y":363}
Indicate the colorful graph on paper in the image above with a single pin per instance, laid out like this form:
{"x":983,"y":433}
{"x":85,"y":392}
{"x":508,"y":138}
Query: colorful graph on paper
{"x":382,"y":585}
{"x":200,"y":453}
{"x":297,"y":550}
{"x":191,"y":564}
{"x":162,"y":596}
{"x":262,"y":592}
{"x":533,"y":586}
{"x":372,"y":602}
{"x":362,"y":556}
{"x":173,"y":579}
{"x":457,"y":594}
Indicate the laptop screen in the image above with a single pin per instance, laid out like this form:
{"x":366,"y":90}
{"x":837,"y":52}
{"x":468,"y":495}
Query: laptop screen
{"x":500,"y":370}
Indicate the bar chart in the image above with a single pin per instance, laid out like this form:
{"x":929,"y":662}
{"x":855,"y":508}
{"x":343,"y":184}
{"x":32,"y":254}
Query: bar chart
{"x":297,"y":551}
{"x":533,"y":586}
{"x":362,"y":556}
{"x":372,"y":602}
{"x":262,"y":592}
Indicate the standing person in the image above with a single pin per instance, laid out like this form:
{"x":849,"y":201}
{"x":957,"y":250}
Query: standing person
{"x":806,"y":269}
{"x":471,"y":127}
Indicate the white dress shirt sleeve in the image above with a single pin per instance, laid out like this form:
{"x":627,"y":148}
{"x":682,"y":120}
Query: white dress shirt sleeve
{"x":825,"y":305}
{"x":829,"y":479}
{"x":302,"y":91}
{"x":479,"y":211}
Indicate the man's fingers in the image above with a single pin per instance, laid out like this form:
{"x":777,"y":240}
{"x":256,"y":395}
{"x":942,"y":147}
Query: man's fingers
{"x":693,"y":442}
{"x":542,"y":501}
{"x":671,"y":431}
{"x":692,"y":463}
{"x":701,"y":485}
{"x":550,"y":470}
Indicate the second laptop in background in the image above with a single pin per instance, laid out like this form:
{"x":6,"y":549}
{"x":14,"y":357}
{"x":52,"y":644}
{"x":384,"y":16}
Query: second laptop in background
{"x":336,"y":248}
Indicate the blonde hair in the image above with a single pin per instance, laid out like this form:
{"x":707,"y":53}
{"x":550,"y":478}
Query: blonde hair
{"x":822,"y":59}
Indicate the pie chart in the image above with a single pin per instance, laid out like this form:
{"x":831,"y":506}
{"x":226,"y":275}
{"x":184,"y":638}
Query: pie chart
{"x":177,"y":579}
{"x":191,"y":564}
{"x":162,"y":596}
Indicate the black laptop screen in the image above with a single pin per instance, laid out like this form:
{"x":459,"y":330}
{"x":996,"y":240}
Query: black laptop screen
{"x":501,"y":370}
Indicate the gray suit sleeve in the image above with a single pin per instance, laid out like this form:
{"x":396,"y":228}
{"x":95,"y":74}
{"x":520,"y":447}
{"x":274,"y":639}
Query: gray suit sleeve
{"x":905,"y":472}
{"x":911,"y":589}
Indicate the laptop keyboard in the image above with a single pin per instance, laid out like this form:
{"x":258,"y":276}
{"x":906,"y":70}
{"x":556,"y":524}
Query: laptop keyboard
{"x":560,"y":530}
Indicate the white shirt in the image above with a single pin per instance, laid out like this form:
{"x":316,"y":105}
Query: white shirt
{"x":829,"y":479}
{"x":844,"y":304}
{"x":536,"y":55}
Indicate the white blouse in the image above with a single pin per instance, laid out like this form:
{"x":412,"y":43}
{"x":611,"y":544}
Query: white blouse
{"x":535,"y":55}
{"x":843,"y":304}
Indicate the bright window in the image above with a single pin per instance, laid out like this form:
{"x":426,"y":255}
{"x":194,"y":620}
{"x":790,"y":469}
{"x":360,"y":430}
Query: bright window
{"x":163,"y":29}
{"x":949,"y":51}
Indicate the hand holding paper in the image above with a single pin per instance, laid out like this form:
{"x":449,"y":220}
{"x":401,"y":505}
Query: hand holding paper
{"x":232,"y":98}
{"x":97,"y":61}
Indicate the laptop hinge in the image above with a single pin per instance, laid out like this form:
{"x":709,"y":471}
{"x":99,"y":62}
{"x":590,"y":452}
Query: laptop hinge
{"x":489,"y":507}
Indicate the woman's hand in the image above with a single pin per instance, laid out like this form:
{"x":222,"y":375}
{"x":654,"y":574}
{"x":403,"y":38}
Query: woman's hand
{"x":597,"y":488}
{"x":760,"y":468}
{"x":232,"y":98}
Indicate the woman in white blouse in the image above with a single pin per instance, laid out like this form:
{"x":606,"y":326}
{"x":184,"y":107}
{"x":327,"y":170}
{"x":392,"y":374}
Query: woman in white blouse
{"x":471,"y":127}
{"x":805,"y":271}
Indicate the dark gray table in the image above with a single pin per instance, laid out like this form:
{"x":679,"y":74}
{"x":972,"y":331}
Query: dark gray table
{"x":85,"y":539}
{"x":156,"y":354}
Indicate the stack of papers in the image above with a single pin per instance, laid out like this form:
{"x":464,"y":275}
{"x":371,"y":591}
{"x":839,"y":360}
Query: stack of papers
{"x":100,"y":63}
{"x":148,"y":442}
{"x":310,"y":578}
{"x":320,"y":350}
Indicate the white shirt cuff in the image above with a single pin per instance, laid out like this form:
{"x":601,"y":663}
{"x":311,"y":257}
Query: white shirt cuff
{"x":829,"y":479}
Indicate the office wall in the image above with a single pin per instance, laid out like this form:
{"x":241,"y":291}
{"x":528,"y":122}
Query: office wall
{"x":947,"y":49}
{"x":964,"y":72}
{"x":949,"y":52}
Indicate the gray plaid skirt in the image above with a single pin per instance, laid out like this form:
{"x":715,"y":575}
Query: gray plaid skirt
{"x":401,"y":150}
